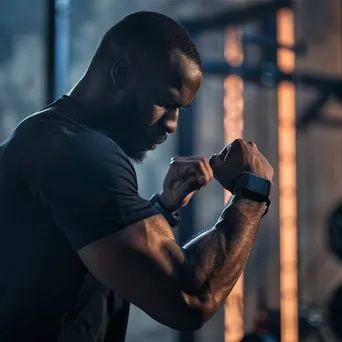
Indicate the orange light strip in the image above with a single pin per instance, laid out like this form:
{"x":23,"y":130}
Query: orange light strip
{"x":233,"y":129}
{"x":287,"y":183}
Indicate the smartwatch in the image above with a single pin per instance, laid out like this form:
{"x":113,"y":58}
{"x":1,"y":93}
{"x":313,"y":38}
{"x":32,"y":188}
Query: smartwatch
{"x":172,"y":218}
{"x":254,"y":187}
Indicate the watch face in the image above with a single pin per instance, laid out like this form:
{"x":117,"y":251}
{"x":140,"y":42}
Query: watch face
{"x":255,"y":184}
{"x":259,"y":185}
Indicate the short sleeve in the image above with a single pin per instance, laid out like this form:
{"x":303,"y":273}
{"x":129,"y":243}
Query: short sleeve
{"x":89,"y":185}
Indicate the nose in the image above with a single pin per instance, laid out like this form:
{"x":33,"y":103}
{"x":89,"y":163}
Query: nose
{"x":171,"y":122}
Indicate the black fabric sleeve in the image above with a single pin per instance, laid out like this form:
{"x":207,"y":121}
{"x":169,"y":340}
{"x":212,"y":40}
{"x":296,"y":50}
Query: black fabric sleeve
{"x":90,"y":187}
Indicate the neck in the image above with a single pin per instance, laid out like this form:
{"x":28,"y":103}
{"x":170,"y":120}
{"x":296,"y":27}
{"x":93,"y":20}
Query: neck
{"x":100,"y":117}
{"x":86,"y":94}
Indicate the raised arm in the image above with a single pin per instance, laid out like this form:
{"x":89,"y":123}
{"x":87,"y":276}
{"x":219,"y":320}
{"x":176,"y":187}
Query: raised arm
{"x":90,"y":188}
{"x":179,"y":287}
{"x":183,"y":287}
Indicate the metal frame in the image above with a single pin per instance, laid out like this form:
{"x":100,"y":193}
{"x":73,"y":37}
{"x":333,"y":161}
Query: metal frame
{"x":58,"y":45}
{"x":234,"y":16}
{"x":267,"y":74}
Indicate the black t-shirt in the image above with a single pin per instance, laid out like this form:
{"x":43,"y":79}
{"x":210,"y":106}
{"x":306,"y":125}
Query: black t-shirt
{"x":63,"y":185}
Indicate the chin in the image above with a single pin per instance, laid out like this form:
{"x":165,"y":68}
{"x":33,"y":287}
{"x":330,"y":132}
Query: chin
{"x":138,"y":158}
{"x":136,"y":155}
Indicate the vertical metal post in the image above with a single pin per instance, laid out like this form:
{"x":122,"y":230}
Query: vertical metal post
{"x":287,"y":181}
{"x":269,"y":30}
{"x":58,"y":48}
{"x":233,"y":122}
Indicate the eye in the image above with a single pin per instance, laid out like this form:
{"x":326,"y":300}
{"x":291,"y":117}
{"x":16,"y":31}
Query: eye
{"x":170,"y":113}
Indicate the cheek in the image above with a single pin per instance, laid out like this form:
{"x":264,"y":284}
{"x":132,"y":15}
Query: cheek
{"x":145,"y":112}
{"x":157,"y":113}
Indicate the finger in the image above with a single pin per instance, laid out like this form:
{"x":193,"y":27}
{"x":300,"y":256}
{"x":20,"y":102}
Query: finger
{"x":199,"y":171}
{"x":253,"y":146}
{"x":209,"y":170}
{"x":174,"y":159}
{"x":202,"y":164}
{"x":185,"y":158}
{"x":198,"y":165}
{"x":192,"y":184}
{"x":205,"y":169}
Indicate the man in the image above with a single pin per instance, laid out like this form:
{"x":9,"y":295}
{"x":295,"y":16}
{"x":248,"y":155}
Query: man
{"x":78,"y":243}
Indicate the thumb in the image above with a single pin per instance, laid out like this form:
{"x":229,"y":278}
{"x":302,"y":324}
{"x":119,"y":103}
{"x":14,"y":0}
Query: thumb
{"x":192,"y":184}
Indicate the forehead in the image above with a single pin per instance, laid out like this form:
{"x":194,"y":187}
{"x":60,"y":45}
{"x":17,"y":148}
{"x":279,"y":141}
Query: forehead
{"x":176,"y":76}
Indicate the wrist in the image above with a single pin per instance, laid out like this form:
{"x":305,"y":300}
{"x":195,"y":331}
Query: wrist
{"x":253,"y":188}
{"x":163,"y":199}
{"x":243,"y":206}
{"x":173,"y":218}
{"x":249,"y":196}
{"x":249,"y":202}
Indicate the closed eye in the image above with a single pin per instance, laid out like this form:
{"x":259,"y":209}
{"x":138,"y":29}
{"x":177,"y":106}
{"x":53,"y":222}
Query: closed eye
{"x":170,"y":113}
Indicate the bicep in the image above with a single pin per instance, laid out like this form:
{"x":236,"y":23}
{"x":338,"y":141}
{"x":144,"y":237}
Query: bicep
{"x":91,"y":191}
{"x":118,"y":235}
{"x":143,"y":264}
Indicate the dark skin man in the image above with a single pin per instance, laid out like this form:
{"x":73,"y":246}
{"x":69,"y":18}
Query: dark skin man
{"x":188,"y":284}
{"x":67,"y":182}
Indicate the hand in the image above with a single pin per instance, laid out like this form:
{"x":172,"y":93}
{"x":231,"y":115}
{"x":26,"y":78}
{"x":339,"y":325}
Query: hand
{"x":238,"y":157}
{"x":185,"y":176}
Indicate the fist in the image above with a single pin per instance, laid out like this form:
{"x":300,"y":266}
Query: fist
{"x":238,"y":157}
{"x":185,"y":176}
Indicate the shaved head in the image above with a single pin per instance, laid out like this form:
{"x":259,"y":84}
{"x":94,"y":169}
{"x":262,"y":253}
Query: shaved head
{"x":145,"y":70}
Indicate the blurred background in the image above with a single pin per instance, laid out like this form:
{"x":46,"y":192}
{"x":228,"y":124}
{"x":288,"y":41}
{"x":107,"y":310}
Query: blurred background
{"x":273,"y":75}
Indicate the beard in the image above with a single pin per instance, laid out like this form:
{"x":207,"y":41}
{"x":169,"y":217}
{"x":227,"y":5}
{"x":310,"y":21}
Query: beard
{"x":129,"y":142}
{"x":134,"y":119}
{"x":129,"y":129}
{"x":130,"y":138}
{"x":136,"y":156}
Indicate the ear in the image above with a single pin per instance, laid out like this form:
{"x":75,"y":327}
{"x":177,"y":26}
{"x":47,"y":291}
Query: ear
{"x":120,"y":72}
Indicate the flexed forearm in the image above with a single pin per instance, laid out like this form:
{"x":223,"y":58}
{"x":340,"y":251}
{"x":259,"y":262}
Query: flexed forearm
{"x":216,"y":258}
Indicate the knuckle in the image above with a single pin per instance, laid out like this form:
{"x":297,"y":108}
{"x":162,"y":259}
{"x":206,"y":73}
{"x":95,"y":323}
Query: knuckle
{"x":174,"y":162}
{"x":200,"y":158}
{"x":238,"y":142}
{"x":173,"y":159}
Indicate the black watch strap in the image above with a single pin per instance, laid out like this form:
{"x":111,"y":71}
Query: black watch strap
{"x":172,"y":218}
{"x":254,"y":187}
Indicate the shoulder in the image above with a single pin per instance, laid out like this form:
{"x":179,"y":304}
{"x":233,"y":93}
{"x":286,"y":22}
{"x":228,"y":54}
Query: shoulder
{"x":60,"y":144}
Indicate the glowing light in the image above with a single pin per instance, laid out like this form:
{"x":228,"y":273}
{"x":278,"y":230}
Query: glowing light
{"x":233,"y":129}
{"x":287,"y":184}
